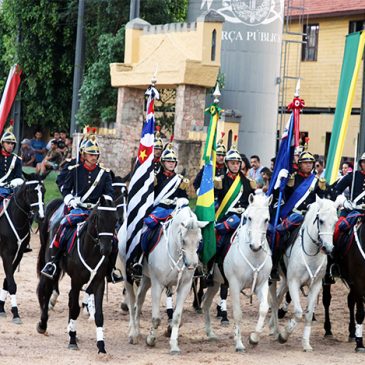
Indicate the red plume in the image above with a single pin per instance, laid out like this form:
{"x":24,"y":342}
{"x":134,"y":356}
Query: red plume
{"x":11,"y":122}
{"x":235,"y":138}
{"x":222,"y":134}
{"x":306,"y":140}
{"x":171,"y":138}
{"x":94,"y":129}
{"x":158,"y":128}
{"x":87,"y":129}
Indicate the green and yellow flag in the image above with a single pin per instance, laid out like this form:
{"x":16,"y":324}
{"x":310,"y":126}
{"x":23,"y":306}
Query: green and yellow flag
{"x":205,"y":210}
{"x":354,"y":48}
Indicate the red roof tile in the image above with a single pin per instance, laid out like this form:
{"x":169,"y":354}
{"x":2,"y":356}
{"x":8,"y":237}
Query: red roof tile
{"x":325,"y":7}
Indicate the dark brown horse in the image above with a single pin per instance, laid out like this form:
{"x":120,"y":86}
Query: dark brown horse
{"x":352,"y":270}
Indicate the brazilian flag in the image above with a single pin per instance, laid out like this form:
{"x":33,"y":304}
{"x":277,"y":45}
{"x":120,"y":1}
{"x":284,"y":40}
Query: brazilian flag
{"x":352,"y":59}
{"x":205,"y":210}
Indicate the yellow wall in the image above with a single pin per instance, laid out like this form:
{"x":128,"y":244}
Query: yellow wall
{"x":320,"y":79}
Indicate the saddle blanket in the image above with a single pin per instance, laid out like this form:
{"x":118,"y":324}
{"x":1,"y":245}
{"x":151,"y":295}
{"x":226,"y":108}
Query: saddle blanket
{"x":150,"y":239}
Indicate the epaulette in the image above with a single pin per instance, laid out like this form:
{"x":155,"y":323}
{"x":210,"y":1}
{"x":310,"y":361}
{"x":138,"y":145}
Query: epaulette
{"x":73,"y":167}
{"x":291,"y":180}
{"x":218,"y":184}
{"x":253,"y":184}
{"x":155,"y":181}
{"x":322,"y":183}
{"x":103,"y":167}
{"x":184,"y":185}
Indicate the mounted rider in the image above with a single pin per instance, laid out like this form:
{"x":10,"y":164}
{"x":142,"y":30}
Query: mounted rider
{"x":220,"y":168}
{"x":85,"y":183}
{"x":300,"y":191}
{"x":10,"y":168}
{"x":168,"y":187}
{"x":232,"y":191}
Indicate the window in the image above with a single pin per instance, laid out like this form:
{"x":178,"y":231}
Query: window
{"x":229,"y":142}
{"x":356,"y":26}
{"x":310,"y":47}
{"x":214,"y":42}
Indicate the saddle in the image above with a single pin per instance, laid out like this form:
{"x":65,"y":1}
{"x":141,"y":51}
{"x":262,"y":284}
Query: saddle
{"x":150,"y":239}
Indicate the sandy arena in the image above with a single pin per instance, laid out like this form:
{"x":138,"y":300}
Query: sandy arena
{"x":22,"y":343}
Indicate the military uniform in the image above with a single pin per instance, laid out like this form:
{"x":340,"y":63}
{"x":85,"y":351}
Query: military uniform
{"x":61,"y":178}
{"x":220,"y":170}
{"x":359,"y":185}
{"x":10,"y":162}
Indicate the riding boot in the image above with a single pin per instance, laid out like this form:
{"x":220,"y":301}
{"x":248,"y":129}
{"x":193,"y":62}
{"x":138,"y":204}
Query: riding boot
{"x":209,"y":279}
{"x":328,"y":278}
{"x":274,"y":275}
{"x":51,"y":267}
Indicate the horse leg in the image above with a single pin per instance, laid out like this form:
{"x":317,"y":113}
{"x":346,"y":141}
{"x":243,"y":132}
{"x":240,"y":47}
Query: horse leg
{"x":298,"y":312}
{"x":74,"y":311}
{"x":351,"y":306}
{"x":124,"y":305}
{"x":156,"y":292}
{"x":359,"y":320}
{"x":144,"y":285}
{"x":54,"y":296}
{"x":206,"y":304}
{"x":169,"y":305}
{"x":326,"y":301}
{"x":131,"y":300}
{"x":99,"y":317}
{"x":262,"y":295}
{"x":3,"y":294}
{"x":9,"y":269}
{"x":237,"y":313}
{"x":223,"y":304}
{"x":276,"y":297}
{"x":181,"y":294}
{"x":284,"y":308}
{"x":312,"y":299}
{"x":44,"y":292}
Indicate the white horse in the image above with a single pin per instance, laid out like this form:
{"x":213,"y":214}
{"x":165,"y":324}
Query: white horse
{"x":306,"y":263}
{"x":171,"y":263}
{"x":247,"y":265}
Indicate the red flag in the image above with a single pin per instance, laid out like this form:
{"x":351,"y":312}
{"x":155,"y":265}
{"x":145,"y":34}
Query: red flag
{"x":9,"y":94}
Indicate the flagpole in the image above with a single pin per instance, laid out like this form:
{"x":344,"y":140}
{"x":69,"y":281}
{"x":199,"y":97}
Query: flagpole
{"x":296,"y":105}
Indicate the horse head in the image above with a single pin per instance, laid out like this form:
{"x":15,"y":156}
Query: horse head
{"x":33,"y":192}
{"x":188,"y":231}
{"x":325,"y":218}
{"x":102,"y":223}
{"x":257,"y":218}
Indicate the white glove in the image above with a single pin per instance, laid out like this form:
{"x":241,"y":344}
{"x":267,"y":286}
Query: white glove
{"x":72,"y":204}
{"x":168,"y":201}
{"x":348,"y":205}
{"x":16,"y":182}
{"x":283,"y":174}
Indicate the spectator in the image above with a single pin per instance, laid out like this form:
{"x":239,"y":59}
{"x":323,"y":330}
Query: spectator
{"x":27,"y":153}
{"x":56,"y":136}
{"x":347,"y":167}
{"x":63,"y":135}
{"x":245,"y":166}
{"x":39,"y":146}
{"x":51,"y":161}
{"x":266,"y":174}
{"x":319,"y":167}
{"x":272,"y":163}
{"x":254,"y":172}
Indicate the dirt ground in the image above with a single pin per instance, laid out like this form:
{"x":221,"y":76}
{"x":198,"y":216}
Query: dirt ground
{"x":22,"y":342}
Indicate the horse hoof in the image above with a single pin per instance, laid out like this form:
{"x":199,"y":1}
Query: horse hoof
{"x":253,"y":339}
{"x":175,"y":352}
{"x":41,"y":330}
{"x":151,"y":341}
{"x":133,"y":340}
{"x":240,"y":349}
{"x":328,"y":335}
{"x":73,"y":346}
{"x":308,"y":349}
{"x":351,"y":339}
{"x":101,"y":347}
{"x":17,"y":320}
{"x":124,"y":307}
{"x":282,"y":339}
{"x":360,"y":349}
{"x":282,"y":313}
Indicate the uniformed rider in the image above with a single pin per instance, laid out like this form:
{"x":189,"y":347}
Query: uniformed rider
{"x":85,"y":184}
{"x":220,"y":168}
{"x":300,"y":191}
{"x":169,"y":186}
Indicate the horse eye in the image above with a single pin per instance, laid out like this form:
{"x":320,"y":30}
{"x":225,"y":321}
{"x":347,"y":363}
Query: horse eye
{"x":250,"y":219}
{"x":321,"y":221}
{"x":266,"y":220}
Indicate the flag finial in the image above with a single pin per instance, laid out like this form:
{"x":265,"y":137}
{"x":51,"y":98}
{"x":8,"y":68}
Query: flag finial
{"x":297,"y":89}
{"x":154,"y":77}
{"x":217,"y":93}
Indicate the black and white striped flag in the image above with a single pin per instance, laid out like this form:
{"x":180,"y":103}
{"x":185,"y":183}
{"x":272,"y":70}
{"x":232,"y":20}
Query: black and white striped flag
{"x":140,"y":192}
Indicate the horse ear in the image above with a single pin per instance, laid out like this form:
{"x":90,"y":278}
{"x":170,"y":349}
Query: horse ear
{"x":319,"y":200}
{"x":269,"y":201}
{"x":202,"y":224}
{"x":26,"y":176}
{"x":251,"y":198}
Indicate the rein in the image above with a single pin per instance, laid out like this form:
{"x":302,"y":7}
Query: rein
{"x":357,"y":239}
{"x":94,"y":271}
{"x":318,"y":243}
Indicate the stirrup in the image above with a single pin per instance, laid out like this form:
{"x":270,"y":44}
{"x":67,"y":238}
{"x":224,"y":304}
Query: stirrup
{"x":116,"y":276}
{"x":137,"y":269}
{"x":49,"y":270}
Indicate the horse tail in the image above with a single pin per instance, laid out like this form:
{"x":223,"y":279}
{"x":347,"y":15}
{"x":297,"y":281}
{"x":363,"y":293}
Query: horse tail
{"x":51,"y":207}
